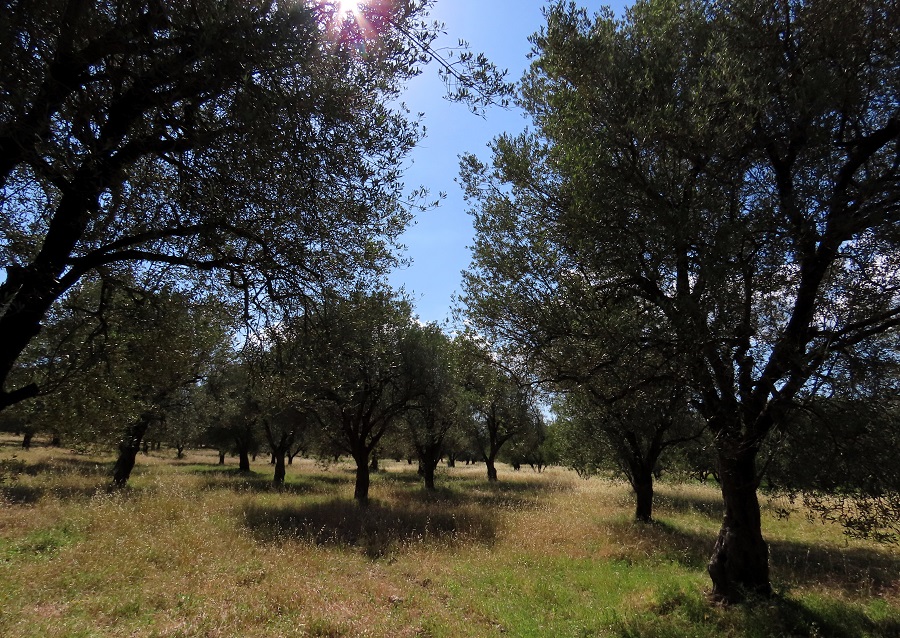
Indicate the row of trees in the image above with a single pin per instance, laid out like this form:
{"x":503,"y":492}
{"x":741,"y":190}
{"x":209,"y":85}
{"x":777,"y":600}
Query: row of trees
{"x":701,"y":229}
{"x":350,"y":375}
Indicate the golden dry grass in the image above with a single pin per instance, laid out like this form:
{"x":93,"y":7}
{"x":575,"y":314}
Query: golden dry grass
{"x":190,"y":549}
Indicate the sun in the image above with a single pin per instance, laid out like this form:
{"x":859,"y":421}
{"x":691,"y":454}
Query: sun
{"x":343,"y":7}
{"x":347,"y":19}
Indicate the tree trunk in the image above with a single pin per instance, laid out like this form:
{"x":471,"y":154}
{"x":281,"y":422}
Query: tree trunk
{"x":361,"y":491}
{"x":129,"y":447}
{"x":643,"y":492}
{"x":243,"y":460}
{"x":427,"y":467}
{"x":491,"y":470}
{"x":451,"y":460}
{"x":279,"y":468}
{"x":56,"y":441}
{"x":26,"y":440}
{"x":739,"y":565}
{"x":124,"y":464}
{"x":221,"y":457}
{"x":374,"y":465}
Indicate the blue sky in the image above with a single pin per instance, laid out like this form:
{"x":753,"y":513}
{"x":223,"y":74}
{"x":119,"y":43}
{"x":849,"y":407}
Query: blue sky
{"x":438,"y":240}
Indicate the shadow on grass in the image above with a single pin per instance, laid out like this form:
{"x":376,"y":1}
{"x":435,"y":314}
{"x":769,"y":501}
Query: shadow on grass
{"x":680,"y":503}
{"x":215,"y":477}
{"x":462,"y":491}
{"x":855,"y":570}
{"x":71,"y":479}
{"x":852,"y":570}
{"x":377,"y":529}
{"x":689,"y":613}
{"x":13,"y":468}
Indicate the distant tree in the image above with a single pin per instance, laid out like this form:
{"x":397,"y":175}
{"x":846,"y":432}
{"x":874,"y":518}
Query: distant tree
{"x":163,"y":344}
{"x":185,"y":423}
{"x":233,"y":422}
{"x":434,"y":411}
{"x":280,"y":400}
{"x":630,"y":436}
{"x":534,"y":447}
{"x":350,"y":359}
{"x":496,"y":407}
{"x":730,"y":169}
{"x":118,"y":360}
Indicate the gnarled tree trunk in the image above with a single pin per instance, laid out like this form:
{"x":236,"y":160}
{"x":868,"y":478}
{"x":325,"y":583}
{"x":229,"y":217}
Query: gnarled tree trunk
{"x":361,"y":489}
{"x":739,"y":566}
{"x":491,"y":469}
{"x":643,"y":492}
{"x":129,"y":447}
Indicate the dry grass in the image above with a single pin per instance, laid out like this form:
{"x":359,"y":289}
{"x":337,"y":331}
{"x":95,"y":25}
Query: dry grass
{"x":191,"y":549}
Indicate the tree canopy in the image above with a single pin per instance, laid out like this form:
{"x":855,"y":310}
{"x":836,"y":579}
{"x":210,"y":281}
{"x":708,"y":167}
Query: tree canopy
{"x":257,"y":142}
{"x":727,"y":172}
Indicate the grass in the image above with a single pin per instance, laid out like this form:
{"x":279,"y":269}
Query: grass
{"x":192,"y":549}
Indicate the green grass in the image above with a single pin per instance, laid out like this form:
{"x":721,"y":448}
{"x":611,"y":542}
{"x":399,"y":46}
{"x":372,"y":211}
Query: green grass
{"x":193,"y":549}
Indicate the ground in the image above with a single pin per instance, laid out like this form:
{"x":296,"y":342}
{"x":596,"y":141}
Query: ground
{"x":195,"y":549}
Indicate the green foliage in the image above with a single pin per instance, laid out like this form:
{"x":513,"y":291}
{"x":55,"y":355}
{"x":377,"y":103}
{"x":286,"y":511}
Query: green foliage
{"x":140,"y":354}
{"x":839,"y":457}
{"x":706,"y":202}
{"x":497,"y":408}
{"x":259,"y":144}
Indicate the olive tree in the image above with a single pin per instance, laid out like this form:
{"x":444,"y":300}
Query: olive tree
{"x":433,"y":413}
{"x":257,"y":142}
{"x":730,"y":168}
{"x":349,"y":358}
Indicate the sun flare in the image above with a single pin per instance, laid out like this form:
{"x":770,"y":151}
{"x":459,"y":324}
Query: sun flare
{"x":343,"y":7}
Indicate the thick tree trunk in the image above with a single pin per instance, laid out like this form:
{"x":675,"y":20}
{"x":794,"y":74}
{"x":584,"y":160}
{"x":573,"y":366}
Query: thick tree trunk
{"x":243,"y":460}
{"x":129,"y":447}
{"x":26,"y":440}
{"x":221,"y":457}
{"x":643,"y":492}
{"x":279,"y":468}
{"x":451,"y":460}
{"x":124,"y":464}
{"x":361,"y":491}
{"x":427,"y":467}
{"x":739,"y":566}
{"x":491,"y":470}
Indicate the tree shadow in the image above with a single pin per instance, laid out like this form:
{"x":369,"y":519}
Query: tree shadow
{"x":851,"y":570}
{"x":683,"y":612}
{"x":467,"y":491}
{"x":13,"y":468}
{"x":661,"y":540}
{"x":72,"y":479}
{"x":681,"y":503}
{"x":377,"y":529}
{"x":854,"y":570}
{"x":233,"y":479}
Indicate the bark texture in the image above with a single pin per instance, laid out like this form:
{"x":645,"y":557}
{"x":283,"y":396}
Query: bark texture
{"x":739,"y":566}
